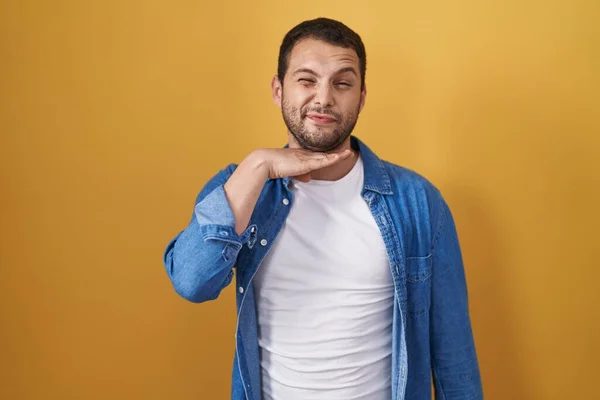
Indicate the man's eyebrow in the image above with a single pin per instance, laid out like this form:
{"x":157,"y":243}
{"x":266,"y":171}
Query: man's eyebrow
{"x":305,"y":70}
{"x":339,"y":71}
{"x":346,"y":69}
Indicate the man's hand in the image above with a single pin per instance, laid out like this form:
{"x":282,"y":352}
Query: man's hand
{"x":297,"y":163}
{"x":245,"y":184}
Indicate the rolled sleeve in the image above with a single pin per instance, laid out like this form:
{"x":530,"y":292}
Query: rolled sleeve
{"x":217,"y":222}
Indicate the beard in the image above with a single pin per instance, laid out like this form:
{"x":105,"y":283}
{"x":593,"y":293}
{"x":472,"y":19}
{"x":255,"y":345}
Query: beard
{"x":317,"y":139}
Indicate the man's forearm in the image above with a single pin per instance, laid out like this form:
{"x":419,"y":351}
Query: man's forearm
{"x":243,"y":188}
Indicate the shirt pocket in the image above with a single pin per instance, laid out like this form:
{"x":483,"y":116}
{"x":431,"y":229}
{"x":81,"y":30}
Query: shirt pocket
{"x":418,"y":284}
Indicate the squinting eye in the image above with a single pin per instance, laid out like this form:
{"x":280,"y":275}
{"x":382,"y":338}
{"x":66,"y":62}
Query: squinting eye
{"x":343,"y":84}
{"x":305,"y":81}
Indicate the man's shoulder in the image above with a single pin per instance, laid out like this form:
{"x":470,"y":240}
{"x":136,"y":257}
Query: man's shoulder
{"x":403,"y":178}
{"x":230,"y":168}
{"x":225,"y":172}
{"x":416,"y":193}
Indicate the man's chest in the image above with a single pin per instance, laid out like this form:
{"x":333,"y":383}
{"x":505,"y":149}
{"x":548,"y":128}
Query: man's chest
{"x":326,"y":247}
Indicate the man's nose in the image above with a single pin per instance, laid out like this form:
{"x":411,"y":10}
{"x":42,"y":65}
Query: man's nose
{"x":324,"y":95}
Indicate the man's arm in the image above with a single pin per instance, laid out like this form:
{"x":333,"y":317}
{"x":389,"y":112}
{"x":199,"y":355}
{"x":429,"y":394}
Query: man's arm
{"x":454,"y":359}
{"x":200,"y":259}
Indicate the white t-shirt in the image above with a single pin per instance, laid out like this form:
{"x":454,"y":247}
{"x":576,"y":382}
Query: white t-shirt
{"x":324,"y":297}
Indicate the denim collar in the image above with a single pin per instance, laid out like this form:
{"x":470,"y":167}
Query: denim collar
{"x":377,"y":178}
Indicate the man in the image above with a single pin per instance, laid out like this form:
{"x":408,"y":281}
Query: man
{"x":350,"y":282}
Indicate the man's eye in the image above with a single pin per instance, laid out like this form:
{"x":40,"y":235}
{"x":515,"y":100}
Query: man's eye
{"x":306,"y":80}
{"x":346,"y":84}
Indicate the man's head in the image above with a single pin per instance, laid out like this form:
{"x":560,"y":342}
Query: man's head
{"x":320,"y":83}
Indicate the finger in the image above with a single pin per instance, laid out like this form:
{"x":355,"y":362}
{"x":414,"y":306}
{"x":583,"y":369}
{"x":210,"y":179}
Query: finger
{"x":327,"y":159}
{"x":315,"y":161}
{"x":341,"y":155}
{"x":324,"y":160}
{"x":303,"y":178}
{"x":346,"y":153}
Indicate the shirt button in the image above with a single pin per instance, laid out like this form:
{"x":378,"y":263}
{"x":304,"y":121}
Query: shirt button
{"x":241,"y":289}
{"x":286,"y":201}
{"x":263,"y":242}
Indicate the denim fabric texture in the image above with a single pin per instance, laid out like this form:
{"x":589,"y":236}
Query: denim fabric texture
{"x":432,"y":335}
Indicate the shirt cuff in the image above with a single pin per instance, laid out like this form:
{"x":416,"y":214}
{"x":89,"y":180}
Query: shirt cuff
{"x":216,"y":220}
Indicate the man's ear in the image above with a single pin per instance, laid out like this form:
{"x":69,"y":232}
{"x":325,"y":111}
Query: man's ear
{"x":276,"y":91}
{"x":363,"y":97}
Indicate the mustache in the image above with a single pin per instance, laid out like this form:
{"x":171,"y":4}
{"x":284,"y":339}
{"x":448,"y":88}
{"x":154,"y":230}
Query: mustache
{"x":321,"y":110}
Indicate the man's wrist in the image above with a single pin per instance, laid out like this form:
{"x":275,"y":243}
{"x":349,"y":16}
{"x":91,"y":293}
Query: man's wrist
{"x":258,"y":162}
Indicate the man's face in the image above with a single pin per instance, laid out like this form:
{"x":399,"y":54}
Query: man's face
{"x":321,"y":95}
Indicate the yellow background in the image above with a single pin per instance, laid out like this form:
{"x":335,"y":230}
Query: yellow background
{"x":114,"y":113}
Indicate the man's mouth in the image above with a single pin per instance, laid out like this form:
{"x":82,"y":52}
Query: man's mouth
{"x":321,"y":118}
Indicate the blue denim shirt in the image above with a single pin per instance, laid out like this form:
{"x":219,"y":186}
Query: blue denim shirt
{"x":431,"y":324}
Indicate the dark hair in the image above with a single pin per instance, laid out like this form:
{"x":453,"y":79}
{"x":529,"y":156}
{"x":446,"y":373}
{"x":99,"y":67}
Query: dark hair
{"x":326,"y":30}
